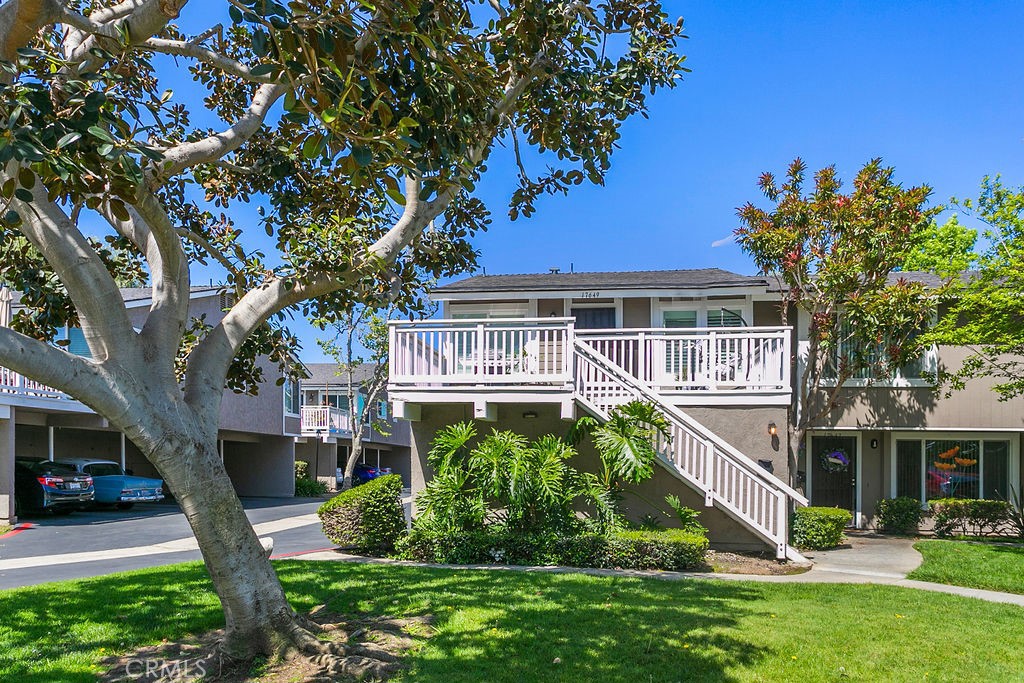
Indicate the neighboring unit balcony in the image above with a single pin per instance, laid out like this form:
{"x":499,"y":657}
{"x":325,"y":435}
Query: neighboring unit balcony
{"x":325,"y":422}
{"x":537,"y":355}
{"x":18,"y":390}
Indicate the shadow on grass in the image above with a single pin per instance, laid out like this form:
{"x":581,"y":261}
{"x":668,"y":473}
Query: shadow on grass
{"x":513,"y":626}
{"x":490,"y":626}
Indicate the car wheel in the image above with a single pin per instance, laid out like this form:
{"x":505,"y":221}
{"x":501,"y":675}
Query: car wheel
{"x":125,"y":506}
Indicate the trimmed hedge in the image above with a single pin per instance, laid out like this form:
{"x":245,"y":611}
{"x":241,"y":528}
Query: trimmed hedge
{"x":969,"y":517}
{"x":367,"y":518}
{"x":899,"y":515}
{"x":818,"y":528}
{"x":668,"y":549}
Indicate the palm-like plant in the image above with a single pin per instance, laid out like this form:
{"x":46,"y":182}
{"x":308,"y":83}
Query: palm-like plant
{"x":627,"y":445}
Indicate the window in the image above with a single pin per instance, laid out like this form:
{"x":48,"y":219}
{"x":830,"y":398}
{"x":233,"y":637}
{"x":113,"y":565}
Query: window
{"x":679,"y":319}
{"x":291,"y":397}
{"x":382,"y":410}
{"x":952,"y":468}
{"x":594,"y":318}
{"x":103,"y":469}
{"x":846,"y":350}
{"x":725,"y":317}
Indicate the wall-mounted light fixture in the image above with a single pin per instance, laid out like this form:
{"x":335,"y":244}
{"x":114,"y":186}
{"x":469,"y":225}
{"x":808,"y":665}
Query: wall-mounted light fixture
{"x":772,"y":429}
{"x":874,"y":444}
{"x":530,"y":415}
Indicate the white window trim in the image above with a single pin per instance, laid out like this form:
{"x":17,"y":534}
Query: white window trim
{"x":507,"y":309}
{"x":658,"y":308}
{"x":1013,"y":473}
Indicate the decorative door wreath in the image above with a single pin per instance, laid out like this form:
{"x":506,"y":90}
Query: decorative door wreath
{"x":834,"y":460}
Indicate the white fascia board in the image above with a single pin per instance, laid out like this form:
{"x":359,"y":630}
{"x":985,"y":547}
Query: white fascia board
{"x":699,"y":293}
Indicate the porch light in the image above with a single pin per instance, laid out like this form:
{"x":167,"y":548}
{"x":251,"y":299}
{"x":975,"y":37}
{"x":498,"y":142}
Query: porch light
{"x":772,"y":429}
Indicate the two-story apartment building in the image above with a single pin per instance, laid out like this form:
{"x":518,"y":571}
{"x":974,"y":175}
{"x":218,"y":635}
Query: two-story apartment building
{"x":257,"y":433}
{"x":528,"y":352}
{"x":327,"y":425}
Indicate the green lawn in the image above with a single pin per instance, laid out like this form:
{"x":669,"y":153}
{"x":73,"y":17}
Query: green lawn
{"x":510,"y":626}
{"x":975,"y":565}
{"x":4,"y":528}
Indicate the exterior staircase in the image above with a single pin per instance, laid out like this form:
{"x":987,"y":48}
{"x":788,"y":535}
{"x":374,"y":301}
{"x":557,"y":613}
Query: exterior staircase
{"x":726,"y":478}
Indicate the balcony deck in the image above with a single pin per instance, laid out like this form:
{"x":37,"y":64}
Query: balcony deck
{"x":20,"y":391}
{"x":531,"y":359}
{"x":325,"y":422}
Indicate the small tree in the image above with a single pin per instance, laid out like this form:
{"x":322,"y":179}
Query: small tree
{"x":946,"y":249}
{"x":986,"y":314}
{"x":361,"y":327}
{"x":835,"y":258}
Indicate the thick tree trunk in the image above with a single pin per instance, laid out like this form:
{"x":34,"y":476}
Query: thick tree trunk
{"x":258,"y":618}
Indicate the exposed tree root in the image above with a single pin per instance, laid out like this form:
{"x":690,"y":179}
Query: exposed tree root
{"x":317,"y":648}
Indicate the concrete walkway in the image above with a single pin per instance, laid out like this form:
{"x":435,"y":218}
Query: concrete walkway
{"x":866,"y":558}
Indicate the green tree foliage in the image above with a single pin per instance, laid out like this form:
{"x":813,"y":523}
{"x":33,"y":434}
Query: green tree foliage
{"x":946,"y":249}
{"x":986,"y":314}
{"x":834,"y":256}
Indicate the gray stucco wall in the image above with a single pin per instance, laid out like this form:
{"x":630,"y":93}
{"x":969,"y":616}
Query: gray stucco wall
{"x":266,"y":468}
{"x":636,"y":312}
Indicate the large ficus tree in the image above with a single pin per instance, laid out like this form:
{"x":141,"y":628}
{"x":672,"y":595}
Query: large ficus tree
{"x":352,"y":124}
{"x":835,"y":258}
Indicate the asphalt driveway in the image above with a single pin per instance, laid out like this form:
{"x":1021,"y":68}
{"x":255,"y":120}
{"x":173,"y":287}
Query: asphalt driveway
{"x":93,"y":543}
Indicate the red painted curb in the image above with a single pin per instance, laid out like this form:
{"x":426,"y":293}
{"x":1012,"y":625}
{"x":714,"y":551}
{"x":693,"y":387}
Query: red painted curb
{"x":299,"y":552}
{"x":18,"y":528}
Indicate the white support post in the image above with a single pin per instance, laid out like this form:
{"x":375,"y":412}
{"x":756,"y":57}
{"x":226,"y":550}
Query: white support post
{"x":782,"y":526}
{"x":123,"y":463}
{"x":49,"y":443}
{"x":709,"y":473}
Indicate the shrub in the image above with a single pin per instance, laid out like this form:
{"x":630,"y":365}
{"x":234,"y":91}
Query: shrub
{"x":969,"y":516}
{"x":669,"y":549}
{"x":307,"y":488}
{"x":301,"y":469}
{"x":899,"y":515}
{"x":818,"y":528}
{"x":367,"y":518}
{"x":687,"y":516}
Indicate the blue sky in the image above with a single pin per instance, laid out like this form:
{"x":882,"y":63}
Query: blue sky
{"x":932,"y":87}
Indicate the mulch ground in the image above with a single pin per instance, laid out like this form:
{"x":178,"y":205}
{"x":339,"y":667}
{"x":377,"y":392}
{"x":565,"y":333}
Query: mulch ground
{"x":199,"y":659}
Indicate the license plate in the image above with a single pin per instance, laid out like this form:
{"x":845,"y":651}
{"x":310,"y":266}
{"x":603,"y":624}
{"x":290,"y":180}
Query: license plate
{"x":74,"y":485}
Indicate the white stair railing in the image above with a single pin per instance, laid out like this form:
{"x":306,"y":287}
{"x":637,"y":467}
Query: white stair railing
{"x":724,"y":475}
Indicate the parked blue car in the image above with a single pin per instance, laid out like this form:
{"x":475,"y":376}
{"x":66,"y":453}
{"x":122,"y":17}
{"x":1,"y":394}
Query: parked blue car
{"x":113,"y":486}
{"x":364,"y":473}
{"x":44,"y":485}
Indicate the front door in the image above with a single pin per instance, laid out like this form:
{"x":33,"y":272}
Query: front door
{"x":833,"y":468}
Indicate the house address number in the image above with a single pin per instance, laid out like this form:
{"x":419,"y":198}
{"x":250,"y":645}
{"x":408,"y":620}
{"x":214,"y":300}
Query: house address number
{"x":591,"y":295}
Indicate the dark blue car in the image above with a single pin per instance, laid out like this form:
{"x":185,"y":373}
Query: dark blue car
{"x":45,"y":485}
{"x":364,"y":473}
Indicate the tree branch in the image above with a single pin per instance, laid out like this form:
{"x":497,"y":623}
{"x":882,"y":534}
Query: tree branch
{"x":195,"y":51}
{"x":101,"y":311}
{"x":21,"y":20}
{"x":188,"y":154}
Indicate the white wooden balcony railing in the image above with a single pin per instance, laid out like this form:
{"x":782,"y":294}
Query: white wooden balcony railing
{"x":14,"y":383}
{"x":531,"y":352}
{"x":325,"y":421}
{"x":497,"y":352}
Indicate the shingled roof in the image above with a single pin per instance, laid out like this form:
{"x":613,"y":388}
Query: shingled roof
{"x":697,"y":278}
